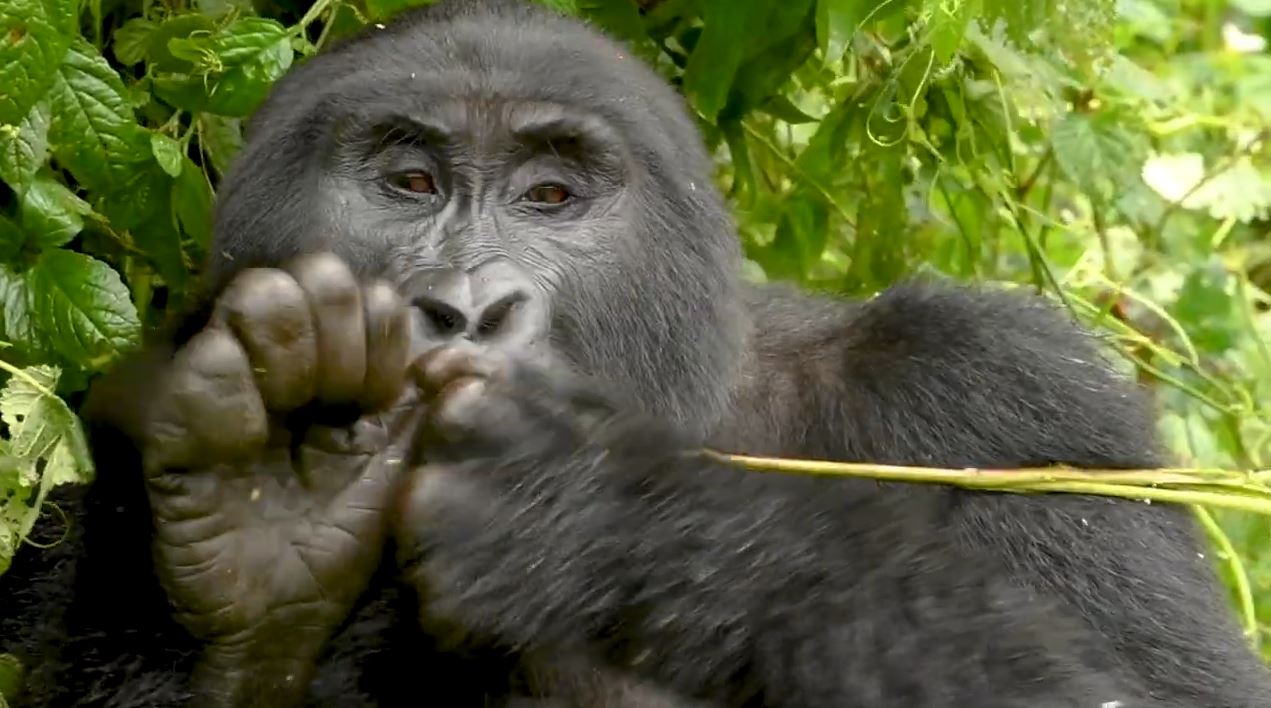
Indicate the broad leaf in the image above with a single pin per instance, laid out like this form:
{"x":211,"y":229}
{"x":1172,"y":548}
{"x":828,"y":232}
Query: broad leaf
{"x":94,"y":131}
{"x":24,"y":148}
{"x":51,"y":213}
{"x":82,"y":307}
{"x":31,"y":49}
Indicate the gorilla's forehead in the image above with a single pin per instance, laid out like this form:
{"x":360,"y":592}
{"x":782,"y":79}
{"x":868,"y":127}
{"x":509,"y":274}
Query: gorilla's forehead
{"x":486,"y":62}
{"x":487,"y":66}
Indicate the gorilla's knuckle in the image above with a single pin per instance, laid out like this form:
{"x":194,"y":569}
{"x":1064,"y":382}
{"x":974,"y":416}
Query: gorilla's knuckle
{"x":328,"y":281}
{"x":215,"y":352}
{"x":383,"y":299}
{"x":262,"y":287}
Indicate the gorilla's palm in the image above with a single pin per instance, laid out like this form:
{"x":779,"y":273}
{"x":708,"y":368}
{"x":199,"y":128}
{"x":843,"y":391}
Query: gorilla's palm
{"x":267,"y":530}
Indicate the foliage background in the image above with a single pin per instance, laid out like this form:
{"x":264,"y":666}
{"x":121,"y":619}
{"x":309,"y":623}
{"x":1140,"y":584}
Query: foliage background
{"x":1111,"y":153}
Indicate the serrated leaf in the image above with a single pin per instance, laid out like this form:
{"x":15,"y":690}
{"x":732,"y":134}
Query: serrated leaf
{"x":16,"y":323}
{"x":1095,"y":150}
{"x":167,"y":151}
{"x":24,"y":148}
{"x":82,"y":307}
{"x":94,"y":131}
{"x":131,"y":42}
{"x":41,"y":427}
{"x":51,"y":213}
{"x":32,"y":413}
{"x":31,"y":49}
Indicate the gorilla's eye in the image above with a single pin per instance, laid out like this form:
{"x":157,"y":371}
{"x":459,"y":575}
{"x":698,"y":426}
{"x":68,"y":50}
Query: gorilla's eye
{"x":414,"y":181}
{"x":547,"y":194}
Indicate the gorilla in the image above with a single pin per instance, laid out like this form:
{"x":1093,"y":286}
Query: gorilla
{"x":435,"y":436}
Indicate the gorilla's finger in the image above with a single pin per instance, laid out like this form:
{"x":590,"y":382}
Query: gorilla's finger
{"x":336,"y":301}
{"x":270,"y":314}
{"x":211,"y":406}
{"x":387,"y":346}
{"x":437,"y":368}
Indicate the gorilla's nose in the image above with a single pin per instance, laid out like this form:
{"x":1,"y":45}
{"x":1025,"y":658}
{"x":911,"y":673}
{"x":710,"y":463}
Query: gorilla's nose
{"x":495,"y":303}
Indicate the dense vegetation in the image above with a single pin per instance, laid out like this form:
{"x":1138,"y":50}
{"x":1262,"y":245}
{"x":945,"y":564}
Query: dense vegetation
{"x":1111,"y":154}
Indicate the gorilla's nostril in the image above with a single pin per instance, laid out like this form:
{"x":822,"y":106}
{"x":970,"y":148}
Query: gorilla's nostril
{"x":495,"y":315}
{"x":444,"y":318}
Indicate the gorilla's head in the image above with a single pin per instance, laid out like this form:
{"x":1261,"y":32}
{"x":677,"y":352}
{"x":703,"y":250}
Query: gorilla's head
{"x":525,"y":182}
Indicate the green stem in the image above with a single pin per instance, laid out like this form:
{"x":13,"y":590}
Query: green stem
{"x":1239,"y":577}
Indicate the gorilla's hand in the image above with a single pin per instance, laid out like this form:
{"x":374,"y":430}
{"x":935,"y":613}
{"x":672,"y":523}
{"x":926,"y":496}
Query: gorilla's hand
{"x":504,"y":528}
{"x":271,"y":455}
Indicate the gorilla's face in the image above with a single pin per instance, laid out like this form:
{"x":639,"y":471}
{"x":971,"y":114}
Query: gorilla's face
{"x":488,"y":211}
{"x":535,"y":189}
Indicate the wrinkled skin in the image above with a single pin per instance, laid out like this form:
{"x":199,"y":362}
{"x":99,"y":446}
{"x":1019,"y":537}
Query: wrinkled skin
{"x":266,"y":530}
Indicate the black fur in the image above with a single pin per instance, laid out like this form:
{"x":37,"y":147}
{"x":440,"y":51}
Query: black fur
{"x":616,"y":549}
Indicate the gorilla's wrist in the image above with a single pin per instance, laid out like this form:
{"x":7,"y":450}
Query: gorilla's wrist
{"x":266,"y":669}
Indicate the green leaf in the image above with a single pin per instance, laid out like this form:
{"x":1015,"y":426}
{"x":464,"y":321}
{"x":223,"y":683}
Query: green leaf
{"x":192,"y":204}
{"x":1096,"y":151}
{"x":167,"y":151}
{"x":41,"y":428}
{"x":143,"y":204}
{"x":31,"y":412}
{"x":380,"y":10}
{"x":94,"y":132}
{"x":221,"y":138}
{"x":31,"y":48}
{"x":10,"y":666}
{"x":730,"y":27}
{"x":782,"y":108}
{"x":739,"y":152}
{"x":566,"y":7}
{"x":19,"y":327}
{"x":231,"y":70}
{"x":1206,"y":307}
{"x":82,"y":307}
{"x":762,"y":74}
{"x":24,"y":148}
{"x":51,"y":213}
{"x":836,"y":23}
{"x":183,"y":26}
{"x":11,"y":239}
{"x":131,"y":42}
{"x":948,"y":24}
{"x":621,"y":18}
{"x":1253,"y":8}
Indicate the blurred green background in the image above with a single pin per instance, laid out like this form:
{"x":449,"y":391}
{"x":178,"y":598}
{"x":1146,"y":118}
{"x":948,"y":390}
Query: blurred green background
{"x":1113,"y":155}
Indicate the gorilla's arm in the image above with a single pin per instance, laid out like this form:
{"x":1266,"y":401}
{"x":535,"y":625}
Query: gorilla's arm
{"x":828,"y":592}
{"x":950,"y":378}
